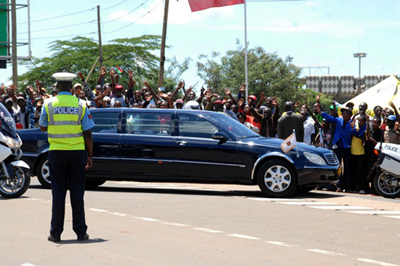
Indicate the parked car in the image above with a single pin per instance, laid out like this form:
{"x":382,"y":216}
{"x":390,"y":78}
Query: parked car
{"x":189,"y":146}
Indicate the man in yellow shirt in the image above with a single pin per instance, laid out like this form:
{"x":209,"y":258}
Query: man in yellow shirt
{"x":357,"y":158}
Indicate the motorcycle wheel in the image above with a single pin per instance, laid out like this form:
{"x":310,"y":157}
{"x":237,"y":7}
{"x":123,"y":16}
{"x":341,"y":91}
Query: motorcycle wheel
{"x":384,"y":184}
{"x":16,"y":185}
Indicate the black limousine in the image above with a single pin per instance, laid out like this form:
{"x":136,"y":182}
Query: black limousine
{"x":188,"y":146}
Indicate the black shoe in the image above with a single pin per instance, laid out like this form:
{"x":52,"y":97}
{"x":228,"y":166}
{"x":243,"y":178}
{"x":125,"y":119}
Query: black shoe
{"x":83,"y":238}
{"x":54,"y":239}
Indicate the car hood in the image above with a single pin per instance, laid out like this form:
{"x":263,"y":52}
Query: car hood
{"x":276,"y":144}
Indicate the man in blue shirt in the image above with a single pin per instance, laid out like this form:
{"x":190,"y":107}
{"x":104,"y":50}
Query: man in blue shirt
{"x":341,"y":143}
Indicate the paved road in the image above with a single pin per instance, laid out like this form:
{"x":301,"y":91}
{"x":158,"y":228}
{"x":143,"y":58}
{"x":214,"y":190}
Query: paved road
{"x":133,"y":223}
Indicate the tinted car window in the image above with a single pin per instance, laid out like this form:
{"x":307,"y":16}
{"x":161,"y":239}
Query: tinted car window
{"x":195,"y":126}
{"x":105,"y":122}
{"x":238,"y":130}
{"x":148,"y":124}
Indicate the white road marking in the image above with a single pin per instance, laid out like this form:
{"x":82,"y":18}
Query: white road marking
{"x":341,"y":207}
{"x":167,"y":187}
{"x":207,"y":230}
{"x":30,"y":199}
{"x":98,"y":210}
{"x":277,"y":243}
{"x":244,"y":236}
{"x":28,"y":264}
{"x":377,"y":262}
{"x":118,"y":214}
{"x":149,"y":219}
{"x":326,"y":252}
{"x":392,"y":216}
{"x":304,"y":203}
{"x":176,"y":224}
{"x":375,"y":212}
{"x":158,"y":186}
{"x":272,"y":199}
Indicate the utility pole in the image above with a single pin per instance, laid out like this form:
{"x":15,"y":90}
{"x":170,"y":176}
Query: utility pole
{"x":162,"y":56}
{"x":14,"y":42}
{"x":99,"y":30}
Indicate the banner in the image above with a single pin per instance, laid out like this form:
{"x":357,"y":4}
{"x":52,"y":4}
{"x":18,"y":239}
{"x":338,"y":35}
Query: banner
{"x":197,"y":5}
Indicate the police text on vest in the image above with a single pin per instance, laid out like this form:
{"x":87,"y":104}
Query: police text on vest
{"x":66,"y":110}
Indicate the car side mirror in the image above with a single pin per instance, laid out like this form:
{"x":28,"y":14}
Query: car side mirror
{"x":220,"y":136}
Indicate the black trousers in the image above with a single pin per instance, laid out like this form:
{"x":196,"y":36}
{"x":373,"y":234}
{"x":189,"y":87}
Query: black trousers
{"x":345,"y":178}
{"x":67,"y":172}
{"x":359,"y":166}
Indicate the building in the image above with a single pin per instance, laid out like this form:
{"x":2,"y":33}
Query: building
{"x":342,"y":88}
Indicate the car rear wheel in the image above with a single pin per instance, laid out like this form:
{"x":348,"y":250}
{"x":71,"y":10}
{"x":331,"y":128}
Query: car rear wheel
{"x":43,"y":172}
{"x":277,"y":179}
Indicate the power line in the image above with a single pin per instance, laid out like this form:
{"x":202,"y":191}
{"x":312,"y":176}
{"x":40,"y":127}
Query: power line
{"x":73,"y":25}
{"x":74,"y":13}
{"x":114,"y":5}
{"x":70,"y":14}
{"x":59,"y":37}
{"x":148,"y":12}
{"x":127,"y":13}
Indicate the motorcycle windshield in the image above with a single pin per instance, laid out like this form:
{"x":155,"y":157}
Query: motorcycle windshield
{"x":7,"y":122}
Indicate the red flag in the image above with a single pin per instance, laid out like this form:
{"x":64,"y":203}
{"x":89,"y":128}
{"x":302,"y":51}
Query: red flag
{"x":119,"y":70}
{"x":197,"y":5}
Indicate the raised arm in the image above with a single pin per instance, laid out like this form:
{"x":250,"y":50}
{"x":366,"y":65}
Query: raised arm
{"x":229,"y":93}
{"x":152,"y":91}
{"x":313,"y":116}
{"x":395,"y":111}
{"x":112,"y":74}
{"x":256,"y":114}
{"x":103,"y":72}
{"x":262,"y":99}
{"x":201,"y":96}
{"x":88,"y":92}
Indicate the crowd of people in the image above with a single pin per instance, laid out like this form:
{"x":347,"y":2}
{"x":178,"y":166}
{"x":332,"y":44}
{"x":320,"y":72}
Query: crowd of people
{"x":351,"y":133}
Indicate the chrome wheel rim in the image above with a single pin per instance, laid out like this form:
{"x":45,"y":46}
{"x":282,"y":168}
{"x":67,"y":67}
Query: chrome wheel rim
{"x":277,"y":178}
{"x":13,"y":184}
{"x":388,"y":184}
{"x":45,"y":171}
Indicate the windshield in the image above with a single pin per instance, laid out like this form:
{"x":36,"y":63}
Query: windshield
{"x":234,"y":127}
{"x":7,"y":122}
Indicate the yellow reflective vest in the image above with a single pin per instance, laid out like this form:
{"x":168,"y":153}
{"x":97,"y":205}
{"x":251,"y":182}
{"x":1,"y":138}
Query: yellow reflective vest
{"x":65,"y":114}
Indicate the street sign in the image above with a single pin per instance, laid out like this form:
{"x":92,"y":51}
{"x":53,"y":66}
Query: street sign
{"x":3,"y":28}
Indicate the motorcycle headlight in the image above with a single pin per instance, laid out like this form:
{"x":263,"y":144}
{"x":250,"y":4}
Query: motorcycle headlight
{"x":314,"y":158}
{"x":13,"y":143}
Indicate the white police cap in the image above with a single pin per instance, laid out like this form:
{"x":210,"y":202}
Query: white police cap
{"x":64,"y":76}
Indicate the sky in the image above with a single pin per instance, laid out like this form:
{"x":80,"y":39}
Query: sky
{"x":315,"y":32}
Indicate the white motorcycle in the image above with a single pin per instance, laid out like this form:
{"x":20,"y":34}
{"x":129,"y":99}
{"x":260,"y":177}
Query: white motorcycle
{"x":387,"y":178}
{"x":14,"y":176}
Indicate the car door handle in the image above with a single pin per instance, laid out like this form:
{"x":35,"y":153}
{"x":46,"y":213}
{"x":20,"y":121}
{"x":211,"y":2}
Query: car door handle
{"x":181,"y":143}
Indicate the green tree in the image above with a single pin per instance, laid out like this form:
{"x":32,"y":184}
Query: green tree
{"x":80,"y":53}
{"x":267,"y":73}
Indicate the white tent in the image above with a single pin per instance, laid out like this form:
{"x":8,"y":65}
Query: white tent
{"x":380,"y":94}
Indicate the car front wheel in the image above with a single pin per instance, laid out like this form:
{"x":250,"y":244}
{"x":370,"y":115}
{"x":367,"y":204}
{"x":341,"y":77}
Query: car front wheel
{"x":276,"y":178}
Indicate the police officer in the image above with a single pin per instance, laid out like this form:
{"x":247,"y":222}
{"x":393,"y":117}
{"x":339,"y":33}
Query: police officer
{"x":68,"y":123}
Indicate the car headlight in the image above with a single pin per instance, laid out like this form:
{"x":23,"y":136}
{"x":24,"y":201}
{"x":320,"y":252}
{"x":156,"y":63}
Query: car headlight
{"x":13,"y":143}
{"x":314,"y":158}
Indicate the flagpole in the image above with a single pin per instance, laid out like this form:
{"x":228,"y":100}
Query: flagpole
{"x":245,"y":49}
{"x":297,"y":149}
